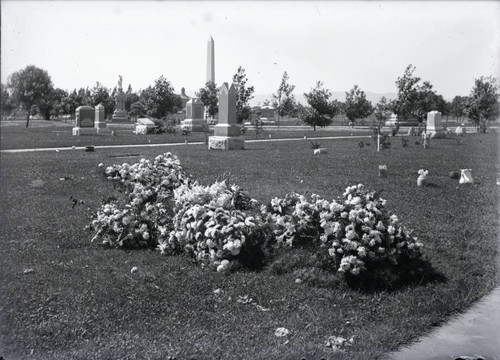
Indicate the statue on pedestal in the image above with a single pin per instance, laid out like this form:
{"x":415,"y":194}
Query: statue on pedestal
{"x":120,"y":114}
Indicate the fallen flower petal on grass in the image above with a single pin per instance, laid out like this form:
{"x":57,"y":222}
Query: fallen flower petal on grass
{"x":338,"y":343}
{"x":281,"y":332}
{"x":244,"y":299}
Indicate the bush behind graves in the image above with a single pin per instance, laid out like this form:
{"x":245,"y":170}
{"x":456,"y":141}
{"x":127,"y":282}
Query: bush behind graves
{"x":163,"y":126}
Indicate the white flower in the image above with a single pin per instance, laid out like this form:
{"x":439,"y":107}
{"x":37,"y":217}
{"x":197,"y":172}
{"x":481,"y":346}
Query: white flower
{"x":361,"y":251}
{"x":380,"y":226}
{"x":281,"y":332}
{"x":334,"y":207}
{"x":224,"y":265}
{"x":351,"y":235}
{"x":162,"y":247}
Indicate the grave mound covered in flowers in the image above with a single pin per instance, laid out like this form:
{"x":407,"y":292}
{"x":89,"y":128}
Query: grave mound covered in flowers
{"x":221,"y":226}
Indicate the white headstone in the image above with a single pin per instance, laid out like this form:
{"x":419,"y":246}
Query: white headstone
{"x":434,"y":124}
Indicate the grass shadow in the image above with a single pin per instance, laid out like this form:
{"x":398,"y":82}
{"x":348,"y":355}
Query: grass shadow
{"x":389,"y":277}
{"x":433,"y":185}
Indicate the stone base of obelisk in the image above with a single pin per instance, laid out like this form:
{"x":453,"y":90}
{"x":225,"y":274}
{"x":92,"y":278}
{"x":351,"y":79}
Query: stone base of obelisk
{"x":101,"y":128}
{"x":231,"y":130}
{"x":120,"y":121}
{"x":436,"y":133}
{"x":120,"y":116}
{"x":78,"y":131}
{"x":197,"y":125}
{"x":103,"y":131}
{"x":226,"y":143}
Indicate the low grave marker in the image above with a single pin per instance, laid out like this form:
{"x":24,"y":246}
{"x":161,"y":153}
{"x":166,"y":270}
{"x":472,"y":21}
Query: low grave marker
{"x":144,"y":125}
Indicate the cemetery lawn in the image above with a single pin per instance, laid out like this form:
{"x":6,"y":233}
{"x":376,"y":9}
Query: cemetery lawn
{"x":49,"y":134}
{"x":63,"y":297}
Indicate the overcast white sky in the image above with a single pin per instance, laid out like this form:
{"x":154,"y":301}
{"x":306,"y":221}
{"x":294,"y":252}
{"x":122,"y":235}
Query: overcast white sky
{"x":368,"y":43}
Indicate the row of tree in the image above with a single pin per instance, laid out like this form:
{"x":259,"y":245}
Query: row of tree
{"x":415,"y":98}
{"x":33,"y":89}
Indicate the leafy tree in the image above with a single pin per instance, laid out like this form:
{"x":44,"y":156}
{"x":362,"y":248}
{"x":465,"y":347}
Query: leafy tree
{"x":407,"y":87}
{"x":413,"y":98}
{"x":29,"y":86}
{"x":50,"y":104}
{"x":243,"y":95}
{"x":266,"y":102}
{"x":321,"y":110}
{"x":441,"y":105}
{"x":356,"y":106}
{"x":284,"y":100}
{"x":163,"y":100}
{"x":99,"y":94}
{"x":457,"y":107}
{"x":380,"y":112}
{"x":76,"y":98}
{"x":130,"y":99}
{"x":69,"y":104}
{"x":139,"y":108}
{"x":83,"y":97}
{"x":425,"y":101}
{"x":8,"y":102}
{"x":208,"y":95}
{"x":57,"y":107}
{"x":482,"y":103}
{"x":297,"y":111}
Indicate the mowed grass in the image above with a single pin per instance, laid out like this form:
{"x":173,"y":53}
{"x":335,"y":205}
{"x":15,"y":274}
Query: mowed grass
{"x":48,"y":134}
{"x":81,"y":301}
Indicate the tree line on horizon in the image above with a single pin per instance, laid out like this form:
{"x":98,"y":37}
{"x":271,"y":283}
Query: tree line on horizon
{"x":32,"y":89}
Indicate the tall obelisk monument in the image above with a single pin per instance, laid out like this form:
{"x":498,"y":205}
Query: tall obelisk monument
{"x":210,"y":61}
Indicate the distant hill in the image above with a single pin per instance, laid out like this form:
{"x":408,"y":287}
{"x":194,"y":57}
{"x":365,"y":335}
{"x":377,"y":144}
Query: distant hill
{"x":339,"y":95}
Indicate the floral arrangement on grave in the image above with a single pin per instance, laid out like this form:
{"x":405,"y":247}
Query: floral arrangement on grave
{"x":220,"y":225}
{"x":357,"y":233}
{"x":186,"y":129}
{"x":422,"y":178}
